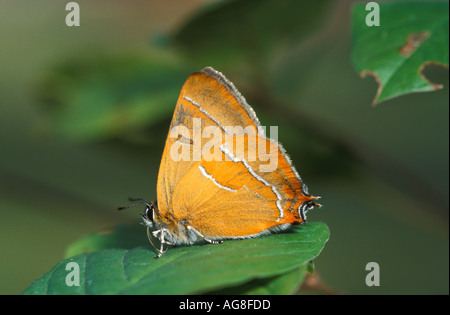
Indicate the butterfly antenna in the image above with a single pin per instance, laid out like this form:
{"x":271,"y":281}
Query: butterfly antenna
{"x":139,"y":202}
{"x":138,"y":199}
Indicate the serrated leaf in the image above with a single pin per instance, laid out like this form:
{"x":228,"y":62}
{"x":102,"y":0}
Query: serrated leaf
{"x":187,"y":269}
{"x":411,"y":35}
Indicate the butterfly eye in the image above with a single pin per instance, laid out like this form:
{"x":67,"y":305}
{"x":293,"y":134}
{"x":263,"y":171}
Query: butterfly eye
{"x":149,"y":212}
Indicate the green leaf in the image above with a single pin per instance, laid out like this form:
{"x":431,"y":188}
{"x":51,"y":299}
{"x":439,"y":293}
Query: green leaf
{"x":122,"y":236}
{"x":101,"y":97}
{"x":248,"y":31}
{"x":192,"y":269}
{"x":411,"y":35}
{"x":287,"y":283}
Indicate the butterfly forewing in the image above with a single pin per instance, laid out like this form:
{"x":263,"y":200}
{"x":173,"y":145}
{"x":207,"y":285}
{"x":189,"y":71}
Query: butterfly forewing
{"x":209,"y":99}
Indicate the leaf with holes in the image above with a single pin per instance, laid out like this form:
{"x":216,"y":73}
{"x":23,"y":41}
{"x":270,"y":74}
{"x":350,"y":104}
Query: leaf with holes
{"x":411,"y":35}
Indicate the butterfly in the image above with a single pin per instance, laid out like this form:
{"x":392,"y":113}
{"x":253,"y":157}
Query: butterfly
{"x":220,"y":177}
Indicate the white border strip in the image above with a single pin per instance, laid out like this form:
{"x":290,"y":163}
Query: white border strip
{"x":209,"y":176}
{"x":235,"y":159}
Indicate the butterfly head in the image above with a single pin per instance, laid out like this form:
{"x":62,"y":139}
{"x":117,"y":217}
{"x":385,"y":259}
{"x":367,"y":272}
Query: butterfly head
{"x":149,"y":214}
{"x":150,"y":209}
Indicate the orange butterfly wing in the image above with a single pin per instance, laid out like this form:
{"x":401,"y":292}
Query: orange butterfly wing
{"x":231,"y":197}
{"x":207,"y":95}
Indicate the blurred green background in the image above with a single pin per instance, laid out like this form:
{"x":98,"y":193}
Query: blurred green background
{"x":84,"y":112}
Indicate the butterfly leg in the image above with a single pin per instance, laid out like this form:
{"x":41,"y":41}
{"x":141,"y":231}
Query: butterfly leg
{"x":162,"y":241}
{"x":161,"y":238}
{"x":190,"y":228}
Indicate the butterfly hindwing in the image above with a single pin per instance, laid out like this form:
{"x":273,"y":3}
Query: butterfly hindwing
{"x":237,"y":190}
